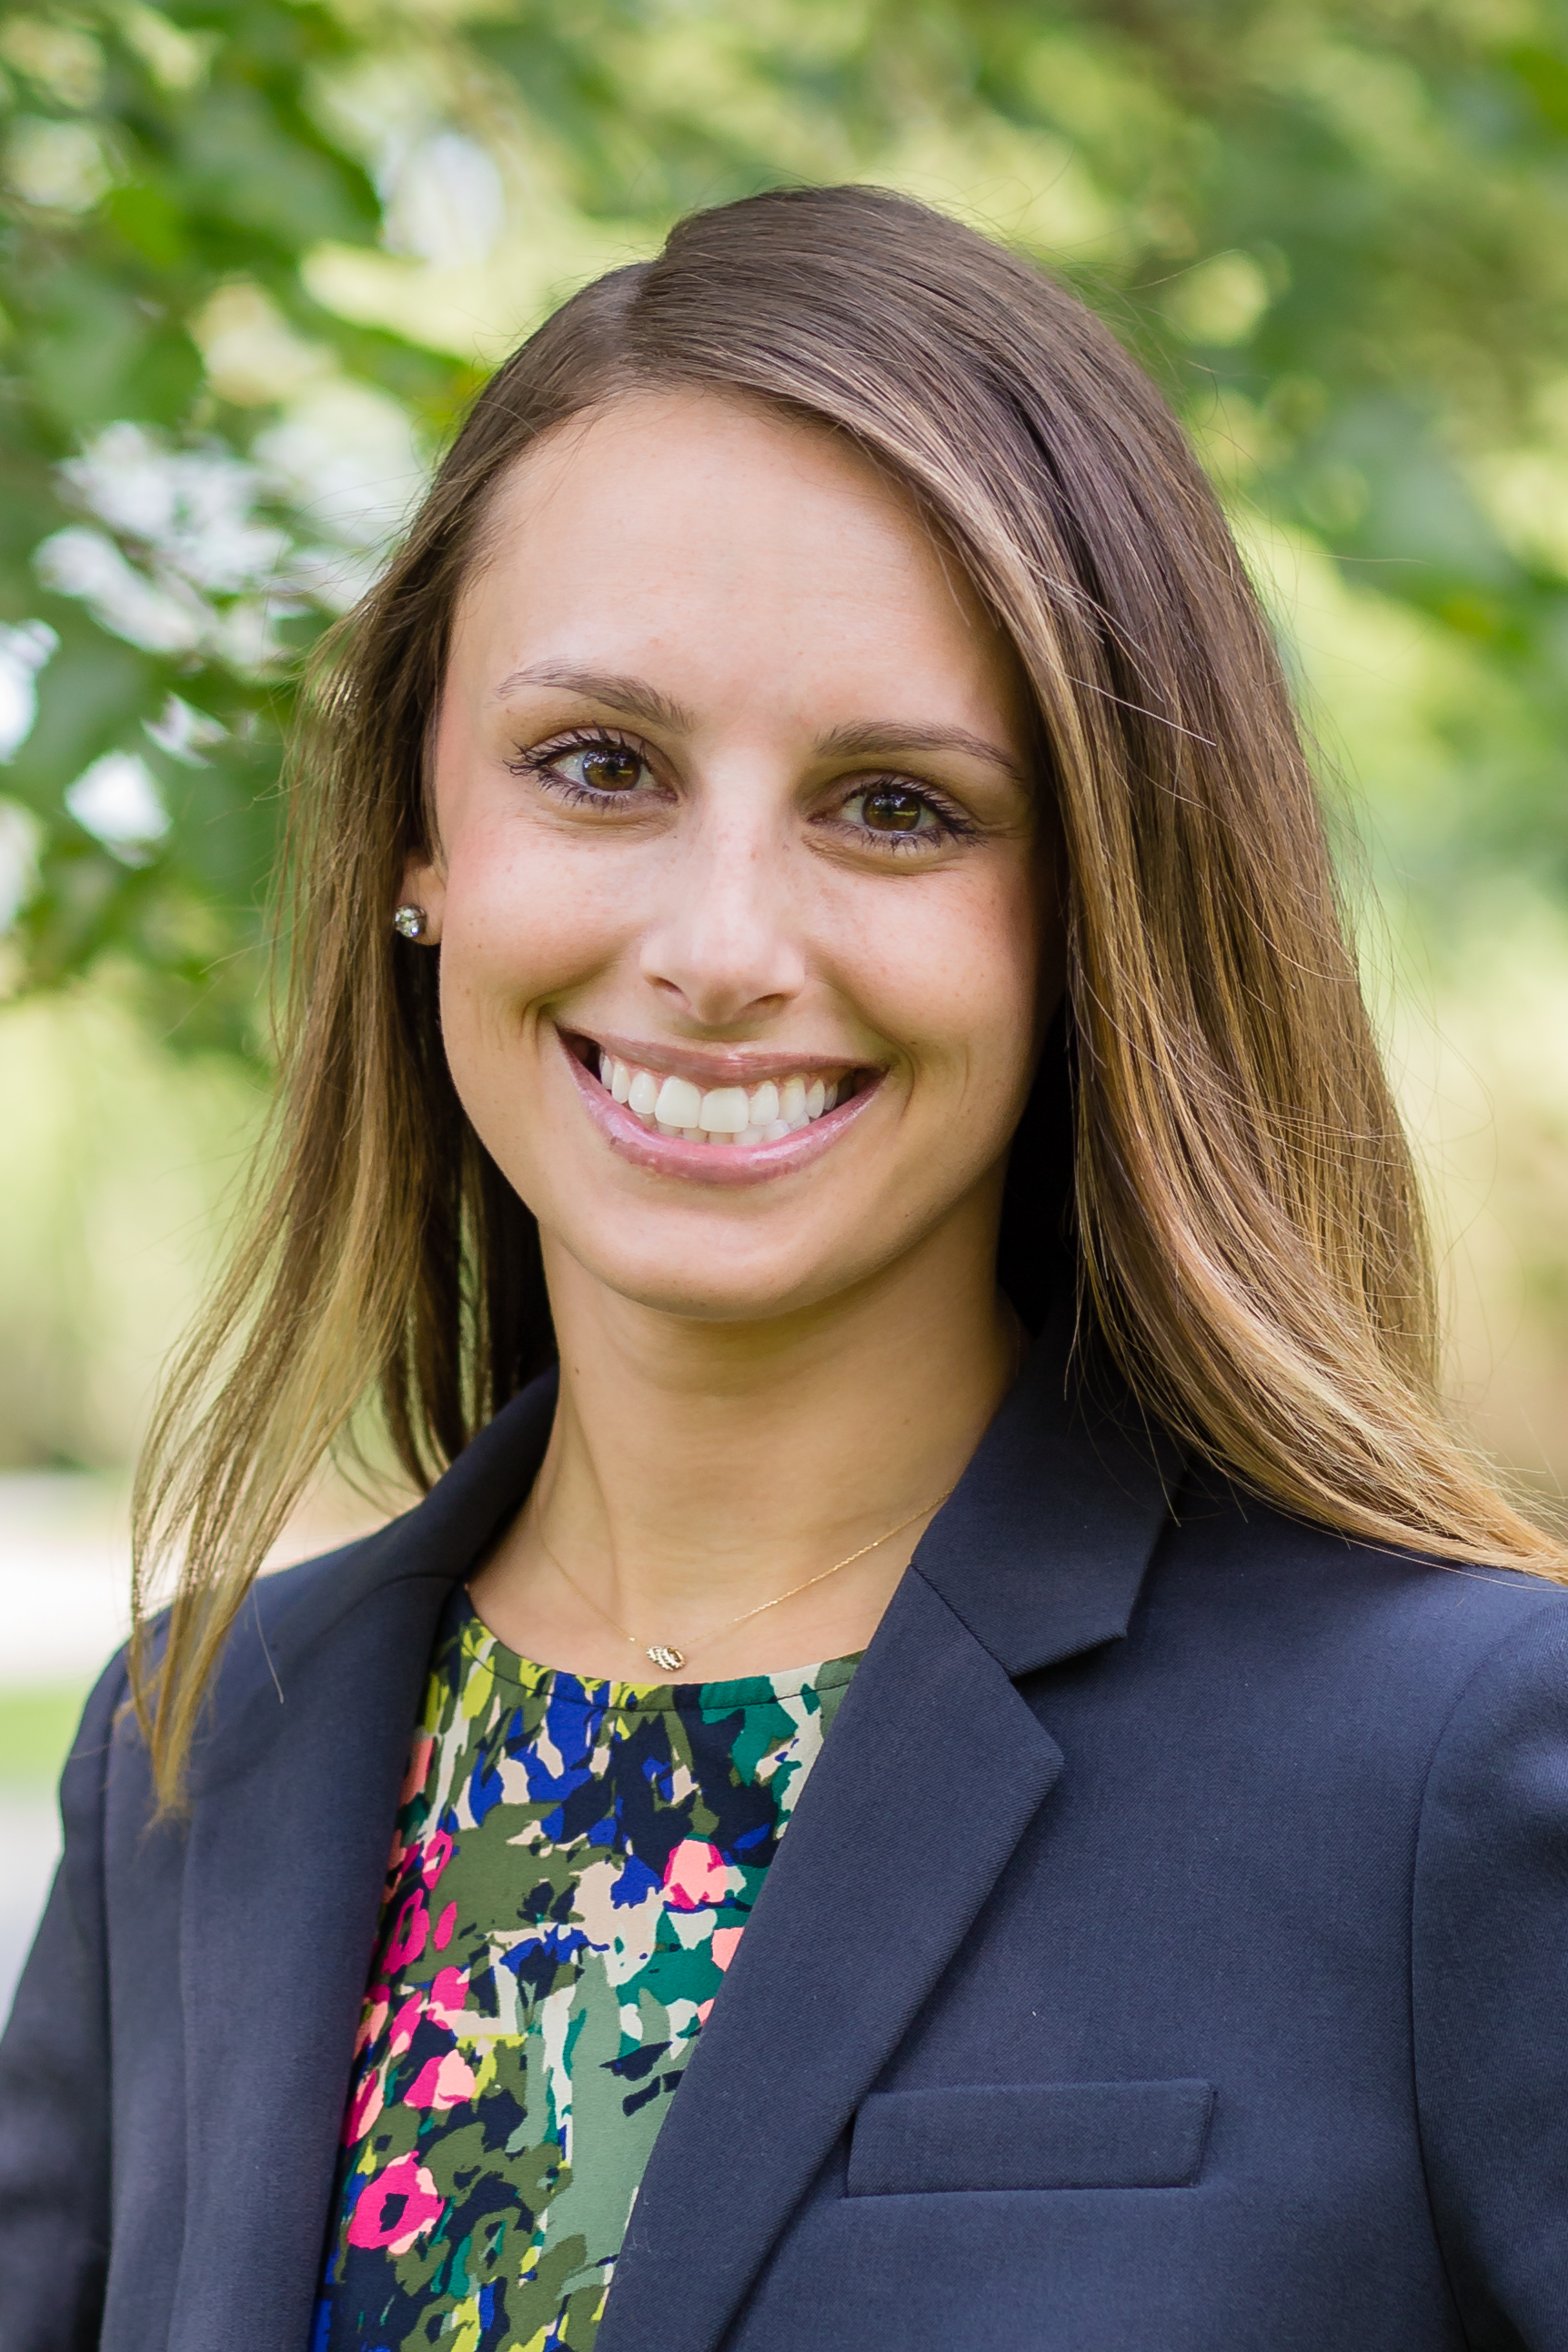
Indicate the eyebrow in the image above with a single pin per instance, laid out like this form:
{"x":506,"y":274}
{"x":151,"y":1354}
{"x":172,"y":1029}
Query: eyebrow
{"x":872,"y":738}
{"x":885,"y":737}
{"x":634,"y":696}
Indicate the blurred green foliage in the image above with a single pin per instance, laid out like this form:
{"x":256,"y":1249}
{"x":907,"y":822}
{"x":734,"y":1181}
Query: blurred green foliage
{"x":258,"y":253}
{"x":36,"y":1727}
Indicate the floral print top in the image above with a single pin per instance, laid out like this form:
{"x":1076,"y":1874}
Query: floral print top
{"x":573,"y":1867}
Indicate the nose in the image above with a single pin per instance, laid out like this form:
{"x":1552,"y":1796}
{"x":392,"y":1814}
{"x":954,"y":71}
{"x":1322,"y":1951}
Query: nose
{"x":722,"y":949}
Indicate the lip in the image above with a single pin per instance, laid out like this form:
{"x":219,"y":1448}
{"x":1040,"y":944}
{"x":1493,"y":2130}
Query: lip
{"x":713,"y":1065}
{"x":710,"y":1163}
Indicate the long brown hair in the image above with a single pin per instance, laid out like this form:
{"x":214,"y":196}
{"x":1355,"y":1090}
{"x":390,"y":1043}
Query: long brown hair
{"x":1248,"y":1224}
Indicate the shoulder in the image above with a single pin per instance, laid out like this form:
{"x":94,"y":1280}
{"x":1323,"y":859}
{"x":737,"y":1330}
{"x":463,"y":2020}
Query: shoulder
{"x":290,"y":1610}
{"x":1412,"y":1632}
{"x":306,"y":1600}
{"x":301,"y":1636}
{"x":353,"y":1623}
{"x":438,"y":1540}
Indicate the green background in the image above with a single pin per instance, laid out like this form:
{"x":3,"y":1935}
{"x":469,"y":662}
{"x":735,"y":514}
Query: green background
{"x":36,"y":1728}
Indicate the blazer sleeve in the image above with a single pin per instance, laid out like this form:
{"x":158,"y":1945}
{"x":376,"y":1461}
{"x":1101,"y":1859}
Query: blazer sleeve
{"x":54,"y":2078}
{"x":1489,"y":1985}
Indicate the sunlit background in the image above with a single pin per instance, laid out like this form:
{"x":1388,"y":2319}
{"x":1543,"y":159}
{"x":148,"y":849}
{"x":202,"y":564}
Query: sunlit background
{"x":259,"y":255}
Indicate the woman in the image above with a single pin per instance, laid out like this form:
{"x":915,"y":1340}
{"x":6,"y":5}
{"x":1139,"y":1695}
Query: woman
{"x":827,"y":1083}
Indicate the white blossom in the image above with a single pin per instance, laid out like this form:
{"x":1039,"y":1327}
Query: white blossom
{"x":117,"y":801}
{"x":23,"y":652}
{"x":184,"y":732}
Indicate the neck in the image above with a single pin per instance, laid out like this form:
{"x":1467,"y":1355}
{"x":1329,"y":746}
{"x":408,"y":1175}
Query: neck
{"x":697,"y":1470}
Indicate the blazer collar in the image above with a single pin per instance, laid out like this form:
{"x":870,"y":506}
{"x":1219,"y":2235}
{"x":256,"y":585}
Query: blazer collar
{"x":1039,"y":1551}
{"x":1042,"y":1549}
{"x":290,"y":1617}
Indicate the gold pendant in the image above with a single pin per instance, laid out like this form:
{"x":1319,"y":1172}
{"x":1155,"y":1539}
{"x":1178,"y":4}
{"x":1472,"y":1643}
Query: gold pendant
{"x":662,"y":1655}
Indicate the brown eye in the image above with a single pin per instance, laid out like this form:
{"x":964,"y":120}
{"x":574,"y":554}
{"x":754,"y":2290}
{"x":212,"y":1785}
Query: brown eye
{"x":609,"y":768}
{"x":887,"y":809}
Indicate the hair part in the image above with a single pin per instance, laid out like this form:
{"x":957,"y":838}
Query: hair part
{"x":1248,"y":1224}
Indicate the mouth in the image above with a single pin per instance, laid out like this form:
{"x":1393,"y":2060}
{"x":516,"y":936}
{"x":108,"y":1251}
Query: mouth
{"x":724,"y":1117}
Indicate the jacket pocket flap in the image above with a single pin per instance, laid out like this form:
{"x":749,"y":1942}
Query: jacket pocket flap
{"x":1030,"y":2135}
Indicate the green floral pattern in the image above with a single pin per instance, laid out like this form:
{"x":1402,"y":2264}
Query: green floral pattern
{"x":573,"y":1869}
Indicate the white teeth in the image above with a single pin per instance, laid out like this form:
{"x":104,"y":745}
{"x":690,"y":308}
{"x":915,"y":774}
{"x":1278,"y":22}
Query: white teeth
{"x":680,"y":1104}
{"x":721,"y":1115}
{"x":724,"y":1111}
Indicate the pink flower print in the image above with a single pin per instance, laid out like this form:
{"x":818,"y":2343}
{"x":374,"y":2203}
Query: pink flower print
{"x":448,"y":1995}
{"x":409,"y":1930}
{"x":403,"y":2024}
{"x":702,"y":2009}
{"x":407,"y":2186}
{"x":373,"y":2017}
{"x":444,"y":2082}
{"x":363,"y":2107}
{"x":695,"y":1875}
{"x":436,"y":1855}
{"x":443,"y":1927}
{"x":419,"y":1757}
{"x":722,"y":1943}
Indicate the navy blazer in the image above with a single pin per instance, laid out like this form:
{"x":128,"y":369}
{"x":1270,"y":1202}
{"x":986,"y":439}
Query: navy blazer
{"x":1169,"y":1954}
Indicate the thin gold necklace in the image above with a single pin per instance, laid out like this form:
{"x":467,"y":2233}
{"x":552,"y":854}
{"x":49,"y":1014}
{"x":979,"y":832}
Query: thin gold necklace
{"x":664,"y":1654}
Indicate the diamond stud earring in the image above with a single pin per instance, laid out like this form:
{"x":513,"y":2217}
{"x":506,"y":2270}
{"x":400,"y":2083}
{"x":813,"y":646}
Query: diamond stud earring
{"x":410,"y":922}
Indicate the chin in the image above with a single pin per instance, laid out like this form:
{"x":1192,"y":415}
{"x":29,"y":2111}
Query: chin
{"x":684,"y":1284}
{"x":709,"y":1269}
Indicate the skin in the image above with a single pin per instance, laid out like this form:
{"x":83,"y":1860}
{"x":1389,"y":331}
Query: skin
{"x":744,"y":643}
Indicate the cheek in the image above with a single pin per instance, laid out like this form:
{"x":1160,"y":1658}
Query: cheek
{"x":524,"y":920}
{"x":955,"y":974}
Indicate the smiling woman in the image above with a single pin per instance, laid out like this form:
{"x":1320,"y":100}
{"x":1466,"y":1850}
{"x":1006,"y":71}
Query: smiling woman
{"x":828,"y":1103}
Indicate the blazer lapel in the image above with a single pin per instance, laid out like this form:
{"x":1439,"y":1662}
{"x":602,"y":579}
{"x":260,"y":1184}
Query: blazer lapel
{"x":288,"y":1846}
{"x":934,"y":1769}
{"x":937,"y":1767}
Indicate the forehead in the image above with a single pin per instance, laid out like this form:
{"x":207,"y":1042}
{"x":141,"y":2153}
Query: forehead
{"x":708,"y":533}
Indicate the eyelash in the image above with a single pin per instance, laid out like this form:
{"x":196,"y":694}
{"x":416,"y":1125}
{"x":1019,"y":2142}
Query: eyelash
{"x":541,"y":762}
{"x":952,"y":824}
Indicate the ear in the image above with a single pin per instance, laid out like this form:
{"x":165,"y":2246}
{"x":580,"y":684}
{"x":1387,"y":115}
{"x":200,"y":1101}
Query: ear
{"x":422,"y":885}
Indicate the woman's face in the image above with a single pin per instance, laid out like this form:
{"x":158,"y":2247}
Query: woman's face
{"x":744,"y":903}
